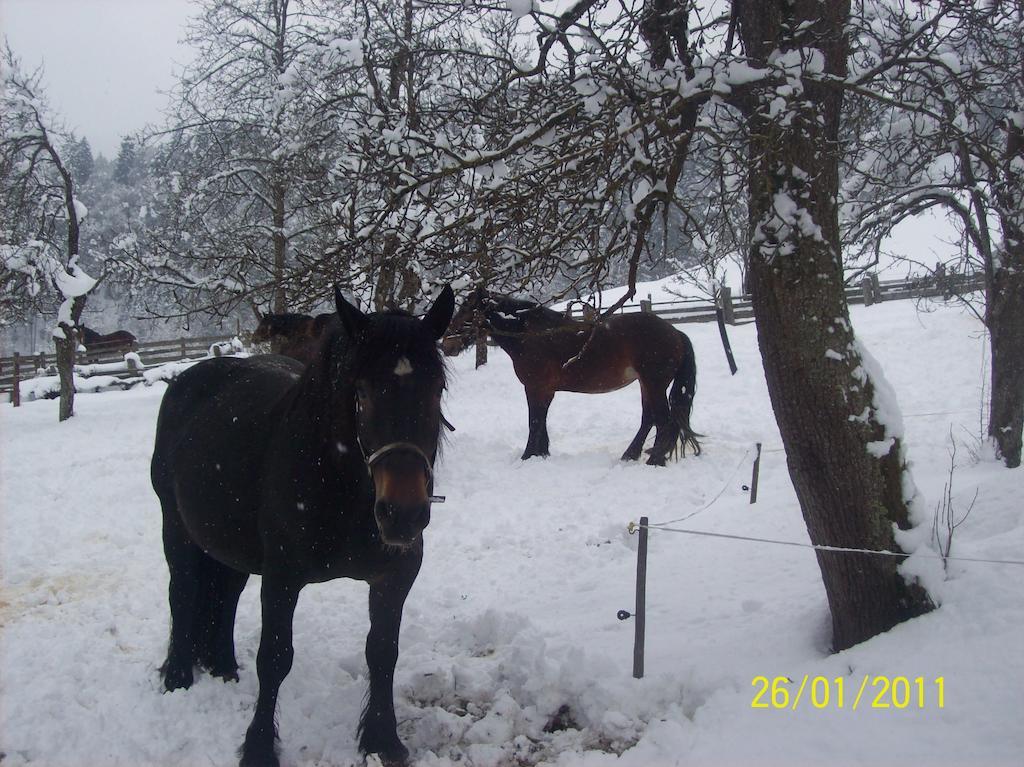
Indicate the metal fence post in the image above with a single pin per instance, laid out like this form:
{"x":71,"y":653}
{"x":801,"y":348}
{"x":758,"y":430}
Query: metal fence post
{"x":641,"y":602}
{"x":754,"y":476}
{"x":719,"y":315}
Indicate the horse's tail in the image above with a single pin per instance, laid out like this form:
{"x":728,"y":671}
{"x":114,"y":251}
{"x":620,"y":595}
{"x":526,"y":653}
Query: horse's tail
{"x":680,"y":397}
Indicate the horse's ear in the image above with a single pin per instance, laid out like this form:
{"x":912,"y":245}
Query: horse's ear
{"x":352,"y":319}
{"x":439,"y":315}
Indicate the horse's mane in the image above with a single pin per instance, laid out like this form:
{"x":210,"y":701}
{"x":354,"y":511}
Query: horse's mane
{"x":387,"y":336}
{"x":284,"y":322}
{"x":530,"y":311}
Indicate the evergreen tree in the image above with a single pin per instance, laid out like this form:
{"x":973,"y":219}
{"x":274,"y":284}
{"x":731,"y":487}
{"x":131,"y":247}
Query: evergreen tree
{"x":126,"y":164}
{"x":79,"y":159}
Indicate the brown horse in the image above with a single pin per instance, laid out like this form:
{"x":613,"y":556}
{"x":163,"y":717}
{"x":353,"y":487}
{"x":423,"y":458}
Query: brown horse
{"x":293,"y":335}
{"x":303,"y":475}
{"x":553,"y":353}
{"x":118,"y":342}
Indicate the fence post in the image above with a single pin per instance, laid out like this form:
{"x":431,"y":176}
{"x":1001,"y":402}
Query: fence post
{"x":641,"y":602}
{"x":754,"y":476}
{"x":41,"y":361}
{"x":719,"y":315}
{"x":646,"y":306}
{"x":876,"y":288}
{"x":16,"y":384}
{"x":867,"y":291}
{"x":725,"y":299}
{"x":480,"y":323}
{"x":184,"y":353}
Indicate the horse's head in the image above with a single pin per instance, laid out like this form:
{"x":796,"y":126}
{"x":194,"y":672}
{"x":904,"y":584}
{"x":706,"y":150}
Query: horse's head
{"x":513,"y":316}
{"x":462,"y":328}
{"x":389,"y":371}
{"x":263,"y":329}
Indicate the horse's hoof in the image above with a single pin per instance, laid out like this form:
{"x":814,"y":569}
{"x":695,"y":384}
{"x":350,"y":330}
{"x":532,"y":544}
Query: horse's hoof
{"x":225,"y":676}
{"x":226,"y":673}
{"x":258,"y":757}
{"x":177,"y":679}
{"x":270,"y":760}
{"x":393,"y":757}
{"x":395,"y":754}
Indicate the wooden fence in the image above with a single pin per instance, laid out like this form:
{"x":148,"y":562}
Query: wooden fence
{"x":734,"y":311}
{"x":739,"y":309}
{"x":123,"y":368}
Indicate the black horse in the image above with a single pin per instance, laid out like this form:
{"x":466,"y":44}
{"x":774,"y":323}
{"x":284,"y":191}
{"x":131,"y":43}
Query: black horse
{"x":293,"y":335}
{"x":119,"y":342}
{"x":303,"y":475}
{"x":551,"y":352}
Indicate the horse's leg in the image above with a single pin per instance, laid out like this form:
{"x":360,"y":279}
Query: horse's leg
{"x":646,"y":424}
{"x":538,"y":401}
{"x":219,"y":590}
{"x":667,"y":433}
{"x":183,"y":565}
{"x":273,"y":662}
{"x":378,"y":729}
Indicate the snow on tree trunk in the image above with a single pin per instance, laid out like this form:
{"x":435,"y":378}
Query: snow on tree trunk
{"x":1005,"y":318}
{"x":842,"y":438}
{"x":1006,"y":326}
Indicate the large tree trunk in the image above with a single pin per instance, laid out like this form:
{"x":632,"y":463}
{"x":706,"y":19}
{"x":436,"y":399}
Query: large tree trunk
{"x":845,"y":464}
{"x":65,"y":351}
{"x":1005,"y":306}
{"x":67,"y":346}
{"x":1006,"y":329}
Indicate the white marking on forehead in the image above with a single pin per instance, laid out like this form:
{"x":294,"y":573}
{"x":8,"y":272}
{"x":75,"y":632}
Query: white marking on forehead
{"x":403,"y":367}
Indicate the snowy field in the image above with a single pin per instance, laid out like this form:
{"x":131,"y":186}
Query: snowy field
{"x":511,"y":651}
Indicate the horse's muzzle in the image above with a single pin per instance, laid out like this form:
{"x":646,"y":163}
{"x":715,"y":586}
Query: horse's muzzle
{"x":401,"y":525}
{"x":402,"y":484}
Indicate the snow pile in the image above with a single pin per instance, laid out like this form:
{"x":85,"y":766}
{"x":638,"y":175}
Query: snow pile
{"x":511,"y":650}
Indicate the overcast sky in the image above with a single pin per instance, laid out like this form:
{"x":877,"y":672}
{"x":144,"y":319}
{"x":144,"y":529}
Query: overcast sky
{"x":104,"y":60}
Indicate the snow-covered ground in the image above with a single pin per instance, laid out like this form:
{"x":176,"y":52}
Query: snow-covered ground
{"x":511,"y":650}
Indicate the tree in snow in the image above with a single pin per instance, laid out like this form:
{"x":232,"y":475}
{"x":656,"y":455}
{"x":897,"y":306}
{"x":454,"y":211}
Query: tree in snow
{"x":127,"y":164}
{"x":507,"y":161}
{"x":646,"y":81}
{"x":835,"y":412}
{"x":39,"y":241}
{"x":943,"y":84}
{"x":80,"y":160}
{"x":242,"y":166}
{"x":424,"y":192}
